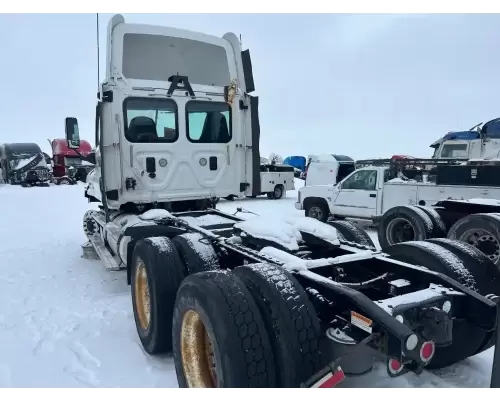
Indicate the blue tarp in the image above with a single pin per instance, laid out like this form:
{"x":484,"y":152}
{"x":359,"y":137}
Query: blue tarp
{"x":298,"y":162}
{"x":464,"y":135}
{"x":491,"y":129}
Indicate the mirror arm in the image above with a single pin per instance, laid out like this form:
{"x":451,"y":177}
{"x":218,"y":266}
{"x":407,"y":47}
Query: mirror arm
{"x":90,"y":158}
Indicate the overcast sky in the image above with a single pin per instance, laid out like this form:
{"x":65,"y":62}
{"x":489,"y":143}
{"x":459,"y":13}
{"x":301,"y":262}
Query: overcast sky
{"x":359,"y":85}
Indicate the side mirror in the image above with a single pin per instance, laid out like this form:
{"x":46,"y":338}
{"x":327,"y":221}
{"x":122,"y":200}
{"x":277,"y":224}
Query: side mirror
{"x":72,"y":133}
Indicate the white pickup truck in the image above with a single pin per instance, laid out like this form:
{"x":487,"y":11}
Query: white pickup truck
{"x":368,"y":193}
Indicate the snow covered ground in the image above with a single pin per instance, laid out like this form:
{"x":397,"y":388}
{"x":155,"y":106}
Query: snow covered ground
{"x":65,"y":322}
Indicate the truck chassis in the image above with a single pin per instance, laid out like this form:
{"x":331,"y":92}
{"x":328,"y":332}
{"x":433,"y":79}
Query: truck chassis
{"x":243,"y":307}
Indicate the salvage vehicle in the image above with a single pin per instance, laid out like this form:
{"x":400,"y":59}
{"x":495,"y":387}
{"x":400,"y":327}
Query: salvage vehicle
{"x":257,"y":302}
{"x":69,"y":168}
{"x":23,"y":164}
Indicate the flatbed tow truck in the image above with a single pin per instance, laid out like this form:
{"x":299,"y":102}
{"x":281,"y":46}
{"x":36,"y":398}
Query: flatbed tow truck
{"x":253,"y":303}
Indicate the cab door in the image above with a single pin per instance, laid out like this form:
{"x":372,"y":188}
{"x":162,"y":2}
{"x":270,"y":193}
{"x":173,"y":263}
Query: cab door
{"x":357,"y":195}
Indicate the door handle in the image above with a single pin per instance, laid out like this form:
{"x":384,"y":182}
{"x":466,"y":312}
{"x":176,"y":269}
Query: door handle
{"x":373,"y":195}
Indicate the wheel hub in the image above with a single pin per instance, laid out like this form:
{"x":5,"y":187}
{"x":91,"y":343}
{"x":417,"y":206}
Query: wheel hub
{"x":142,"y":299}
{"x":197,"y":353}
{"x":315,"y":212}
{"x":399,"y":230}
{"x":485,"y":242}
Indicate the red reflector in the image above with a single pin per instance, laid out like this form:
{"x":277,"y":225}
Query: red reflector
{"x":395,"y":365}
{"x":427,"y":351}
{"x":330,"y":380}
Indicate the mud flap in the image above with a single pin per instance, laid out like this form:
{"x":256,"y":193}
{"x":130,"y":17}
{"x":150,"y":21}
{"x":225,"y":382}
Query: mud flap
{"x":329,"y":380}
{"x":332,"y":374}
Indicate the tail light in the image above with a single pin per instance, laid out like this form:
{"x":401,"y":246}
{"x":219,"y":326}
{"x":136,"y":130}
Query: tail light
{"x":427,"y":351}
{"x":394,"y":367}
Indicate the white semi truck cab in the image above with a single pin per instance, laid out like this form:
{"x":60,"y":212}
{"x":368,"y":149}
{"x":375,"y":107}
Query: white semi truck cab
{"x":174,"y":121}
{"x":480,"y":142}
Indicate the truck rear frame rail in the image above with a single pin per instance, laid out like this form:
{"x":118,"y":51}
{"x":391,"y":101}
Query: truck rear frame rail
{"x":402,"y":310}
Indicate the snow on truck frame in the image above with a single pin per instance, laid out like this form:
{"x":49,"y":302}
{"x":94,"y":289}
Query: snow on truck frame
{"x":256,"y":303}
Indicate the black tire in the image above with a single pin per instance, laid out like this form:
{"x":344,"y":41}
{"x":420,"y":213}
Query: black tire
{"x":279,"y":191}
{"x":270,"y":195}
{"x":482,"y":269}
{"x":318,"y":210}
{"x":481,"y":231}
{"x":242,"y":350}
{"x":402,"y":224}
{"x":467,"y":338}
{"x":352,"y":233}
{"x":485,"y":273}
{"x":439,"y":227}
{"x":290,"y":319}
{"x":164,"y":274}
{"x":196,"y":253}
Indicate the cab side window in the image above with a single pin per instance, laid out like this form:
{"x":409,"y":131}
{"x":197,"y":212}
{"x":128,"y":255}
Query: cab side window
{"x":361,"y":180}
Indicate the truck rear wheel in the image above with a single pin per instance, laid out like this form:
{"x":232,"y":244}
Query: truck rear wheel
{"x":352,"y":233}
{"x":290,"y":318}
{"x":219,"y":337}
{"x":467,"y":338}
{"x":439,"y":228}
{"x":403,"y":224}
{"x":485,"y":273}
{"x":481,"y":231}
{"x":277,"y":193}
{"x":482,"y":269}
{"x":197,"y":254}
{"x":157,"y":273}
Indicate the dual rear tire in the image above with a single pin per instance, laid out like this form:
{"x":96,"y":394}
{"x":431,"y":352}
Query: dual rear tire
{"x":469,"y":267}
{"x":253,"y":327}
{"x":407,"y":223}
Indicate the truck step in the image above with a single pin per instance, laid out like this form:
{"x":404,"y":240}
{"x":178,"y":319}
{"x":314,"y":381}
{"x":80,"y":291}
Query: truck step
{"x":110,"y":262}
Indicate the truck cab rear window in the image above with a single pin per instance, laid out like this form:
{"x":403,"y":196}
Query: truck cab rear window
{"x":208,"y":122}
{"x":150,"y":120}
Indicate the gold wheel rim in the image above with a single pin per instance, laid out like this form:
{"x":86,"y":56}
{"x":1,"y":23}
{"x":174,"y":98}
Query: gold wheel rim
{"x":142,"y":302}
{"x":198,"y":359}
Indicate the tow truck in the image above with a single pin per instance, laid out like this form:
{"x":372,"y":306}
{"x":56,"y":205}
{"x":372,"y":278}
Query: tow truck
{"x":416,"y":199}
